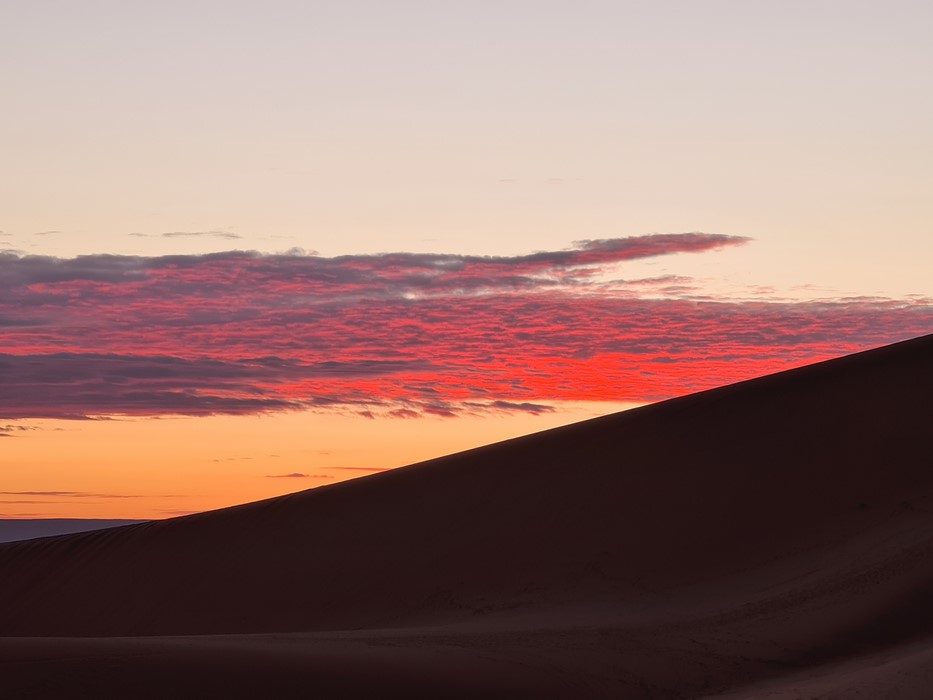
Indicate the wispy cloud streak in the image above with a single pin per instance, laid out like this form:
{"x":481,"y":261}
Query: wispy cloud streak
{"x":14,"y":430}
{"x":69,"y":494}
{"x":400,"y":334}
{"x":189,"y":234}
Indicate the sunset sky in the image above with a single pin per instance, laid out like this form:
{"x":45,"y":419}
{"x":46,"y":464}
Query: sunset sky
{"x":249,"y":248}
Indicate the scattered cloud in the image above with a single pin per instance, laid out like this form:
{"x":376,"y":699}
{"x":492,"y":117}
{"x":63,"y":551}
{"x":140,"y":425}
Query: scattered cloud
{"x":513,"y":407}
{"x":46,"y":233}
{"x":363,"y":469}
{"x":190,"y":234}
{"x":30,"y":502}
{"x":66,"y":385}
{"x":293,"y":475}
{"x":70,"y":494}
{"x":15,"y":430}
{"x":400,"y":335}
{"x":70,"y":497}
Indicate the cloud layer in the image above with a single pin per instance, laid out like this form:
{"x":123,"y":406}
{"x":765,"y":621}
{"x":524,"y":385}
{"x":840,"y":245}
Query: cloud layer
{"x":401,"y":334}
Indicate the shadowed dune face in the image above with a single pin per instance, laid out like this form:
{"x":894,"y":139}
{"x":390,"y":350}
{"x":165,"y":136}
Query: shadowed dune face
{"x":669,"y":511}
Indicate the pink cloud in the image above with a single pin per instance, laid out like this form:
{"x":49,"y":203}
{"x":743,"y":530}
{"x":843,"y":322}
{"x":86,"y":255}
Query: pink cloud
{"x":400,"y":334}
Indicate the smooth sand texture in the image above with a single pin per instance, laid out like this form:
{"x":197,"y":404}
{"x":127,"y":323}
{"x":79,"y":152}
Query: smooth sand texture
{"x":770,"y":539}
{"x":28,"y":529}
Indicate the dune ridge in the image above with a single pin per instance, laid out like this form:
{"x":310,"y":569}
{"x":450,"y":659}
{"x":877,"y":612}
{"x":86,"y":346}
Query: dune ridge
{"x":746,"y":541}
{"x":15,"y":530}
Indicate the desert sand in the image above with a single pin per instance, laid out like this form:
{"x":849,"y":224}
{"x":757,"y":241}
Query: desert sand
{"x":769,"y":539}
{"x":14,"y":530}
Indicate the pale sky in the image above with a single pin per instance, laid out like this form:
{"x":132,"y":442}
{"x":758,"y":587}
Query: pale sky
{"x":486,"y":128}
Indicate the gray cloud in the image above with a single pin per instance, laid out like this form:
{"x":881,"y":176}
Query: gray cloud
{"x":65,"y":385}
{"x":363,"y":469}
{"x":14,"y":430}
{"x":384,"y":274}
{"x":190,"y":234}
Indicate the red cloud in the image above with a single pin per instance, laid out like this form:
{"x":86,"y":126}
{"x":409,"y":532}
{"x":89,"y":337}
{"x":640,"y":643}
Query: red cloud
{"x":397,"y":334}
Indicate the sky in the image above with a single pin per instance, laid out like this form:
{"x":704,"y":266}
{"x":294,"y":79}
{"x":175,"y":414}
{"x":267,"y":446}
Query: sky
{"x":250,"y":248}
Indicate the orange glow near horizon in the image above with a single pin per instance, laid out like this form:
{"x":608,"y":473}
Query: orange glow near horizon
{"x":162,"y":467}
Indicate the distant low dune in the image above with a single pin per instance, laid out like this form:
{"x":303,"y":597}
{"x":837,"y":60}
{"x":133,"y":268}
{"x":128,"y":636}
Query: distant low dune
{"x":769,"y":539}
{"x":28,"y":529}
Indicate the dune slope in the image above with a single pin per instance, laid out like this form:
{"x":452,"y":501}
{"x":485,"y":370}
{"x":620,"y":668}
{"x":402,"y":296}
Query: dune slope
{"x":694,"y":547}
{"x":30,"y":528}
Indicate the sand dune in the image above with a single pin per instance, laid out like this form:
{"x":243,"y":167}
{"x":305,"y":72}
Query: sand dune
{"x":770,"y":539}
{"x":31,"y":528}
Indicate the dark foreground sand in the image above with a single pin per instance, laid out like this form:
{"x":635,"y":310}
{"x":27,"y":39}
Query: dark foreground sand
{"x":771,"y":539}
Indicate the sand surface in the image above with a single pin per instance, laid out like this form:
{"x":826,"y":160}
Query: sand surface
{"x":14,"y":530}
{"x":770,"y":539}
